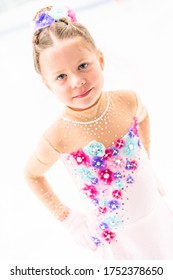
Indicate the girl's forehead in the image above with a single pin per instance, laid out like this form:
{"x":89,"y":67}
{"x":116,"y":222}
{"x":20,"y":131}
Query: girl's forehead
{"x":68,"y":49}
{"x":76,"y":43}
{"x":65,"y":52}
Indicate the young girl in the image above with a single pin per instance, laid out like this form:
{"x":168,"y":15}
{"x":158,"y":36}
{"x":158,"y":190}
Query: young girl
{"x":103,"y":139}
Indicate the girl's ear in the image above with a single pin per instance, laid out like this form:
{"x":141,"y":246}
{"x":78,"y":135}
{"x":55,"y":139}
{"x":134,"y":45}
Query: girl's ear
{"x":101,"y":59}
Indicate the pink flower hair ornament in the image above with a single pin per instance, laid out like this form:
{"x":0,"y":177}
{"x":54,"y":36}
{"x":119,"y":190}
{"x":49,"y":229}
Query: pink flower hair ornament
{"x":56,"y":13}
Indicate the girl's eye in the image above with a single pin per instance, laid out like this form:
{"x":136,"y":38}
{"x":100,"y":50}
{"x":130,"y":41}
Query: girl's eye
{"x":83,"y":66}
{"x":61,"y":77}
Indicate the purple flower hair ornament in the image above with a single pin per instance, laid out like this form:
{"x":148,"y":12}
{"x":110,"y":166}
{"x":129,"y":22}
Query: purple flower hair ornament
{"x":45,"y":19}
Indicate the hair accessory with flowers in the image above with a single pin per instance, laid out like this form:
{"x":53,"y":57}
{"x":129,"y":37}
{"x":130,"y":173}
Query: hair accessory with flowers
{"x":55,"y":14}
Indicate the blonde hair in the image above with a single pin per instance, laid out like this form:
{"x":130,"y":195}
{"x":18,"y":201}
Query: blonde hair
{"x":61,"y":29}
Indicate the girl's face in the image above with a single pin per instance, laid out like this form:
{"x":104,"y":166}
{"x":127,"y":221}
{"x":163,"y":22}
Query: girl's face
{"x":73,"y":71}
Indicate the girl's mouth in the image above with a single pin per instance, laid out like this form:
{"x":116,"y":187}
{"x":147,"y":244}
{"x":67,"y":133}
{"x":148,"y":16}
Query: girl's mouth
{"x":83,"y":94}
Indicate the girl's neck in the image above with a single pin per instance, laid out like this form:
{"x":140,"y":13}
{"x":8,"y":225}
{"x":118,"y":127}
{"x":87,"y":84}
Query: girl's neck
{"x":89,"y":114}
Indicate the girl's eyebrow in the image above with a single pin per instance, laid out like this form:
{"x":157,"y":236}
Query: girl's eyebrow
{"x":62,"y":71}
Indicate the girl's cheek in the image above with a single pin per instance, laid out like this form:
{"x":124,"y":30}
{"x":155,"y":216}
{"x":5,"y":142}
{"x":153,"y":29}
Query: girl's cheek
{"x":95,"y":75}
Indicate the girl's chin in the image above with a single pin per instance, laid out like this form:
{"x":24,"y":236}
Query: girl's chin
{"x":85,"y":105}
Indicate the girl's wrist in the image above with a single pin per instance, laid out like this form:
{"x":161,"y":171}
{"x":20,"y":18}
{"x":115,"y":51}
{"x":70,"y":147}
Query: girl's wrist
{"x":59,"y":210}
{"x":62,"y":213}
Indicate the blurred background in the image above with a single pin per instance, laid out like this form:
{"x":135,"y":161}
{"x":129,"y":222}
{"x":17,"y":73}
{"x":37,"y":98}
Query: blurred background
{"x":136,"y":39}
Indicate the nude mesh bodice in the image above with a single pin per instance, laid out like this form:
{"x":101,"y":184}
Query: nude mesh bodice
{"x":74,"y":130}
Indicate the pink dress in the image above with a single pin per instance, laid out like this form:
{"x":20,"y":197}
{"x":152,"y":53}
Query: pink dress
{"x":127,"y":217}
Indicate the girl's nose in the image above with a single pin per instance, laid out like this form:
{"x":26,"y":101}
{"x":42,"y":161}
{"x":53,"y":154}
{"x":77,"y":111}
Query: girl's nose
{"x":78,"y":82}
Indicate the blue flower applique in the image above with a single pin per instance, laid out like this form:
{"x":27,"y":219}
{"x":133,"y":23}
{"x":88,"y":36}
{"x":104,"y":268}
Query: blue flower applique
{"x":95,"y":148}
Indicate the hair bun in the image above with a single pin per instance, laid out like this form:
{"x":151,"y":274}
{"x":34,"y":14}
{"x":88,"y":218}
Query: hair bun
{"x":47,"y":16}
{"x":66,"y":20}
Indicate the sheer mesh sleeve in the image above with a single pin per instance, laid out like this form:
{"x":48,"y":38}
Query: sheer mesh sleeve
{"x":42,"y":159}
{"x":141,"y":109}
{"x":144,"y":124}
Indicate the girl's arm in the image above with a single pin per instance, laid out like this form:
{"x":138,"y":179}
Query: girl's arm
{"x":41,"y":160}
{"x":144,"y":131}
{"x":144,"y":125}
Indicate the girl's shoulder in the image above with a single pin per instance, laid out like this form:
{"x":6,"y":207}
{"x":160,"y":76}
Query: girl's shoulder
{"x":127,"y":99}
{"x":53,"y":134}
{"x":130,"y":102}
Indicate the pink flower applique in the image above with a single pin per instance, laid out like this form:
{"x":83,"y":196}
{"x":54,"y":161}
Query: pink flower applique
{"x":134,"y":164}
{"x":81,"y":157}
{"x":90,"y":191}
{"x":102,"y":209}
{"x":117,"y":194}
{"x":135,"y":127}
{"x":108,"y":153}
{"x":119,"y":143}
{"x":106,"y":176}
{"x":108,"y":235}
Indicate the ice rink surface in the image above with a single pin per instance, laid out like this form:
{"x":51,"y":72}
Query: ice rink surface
{"x":136,"y":39}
